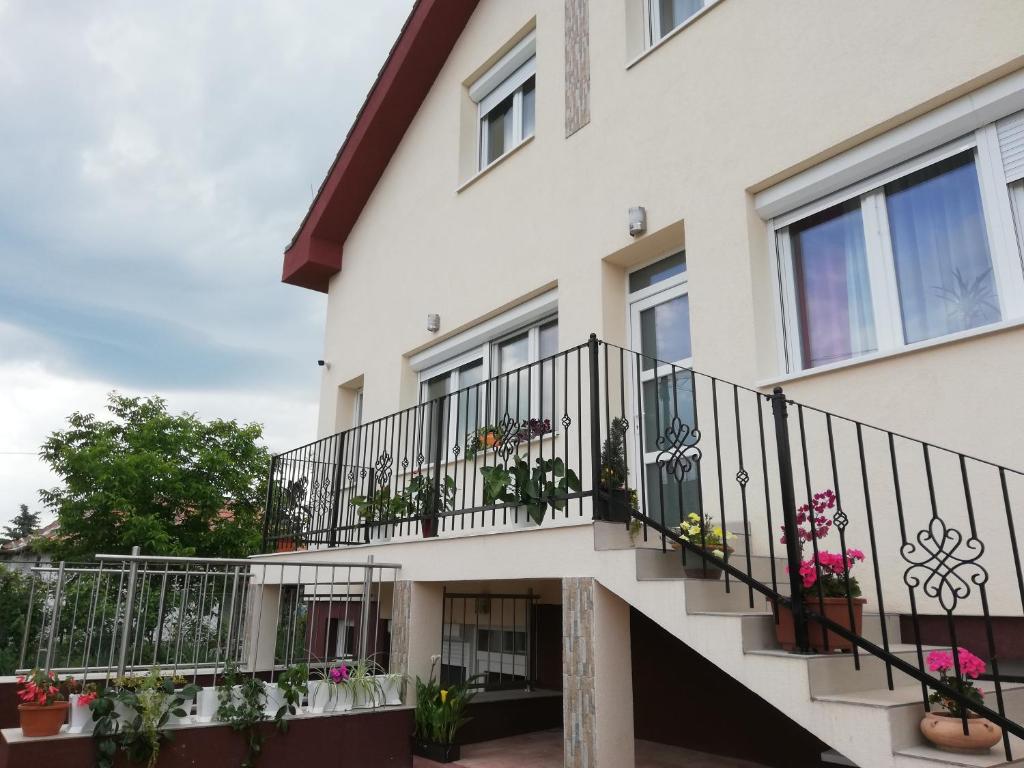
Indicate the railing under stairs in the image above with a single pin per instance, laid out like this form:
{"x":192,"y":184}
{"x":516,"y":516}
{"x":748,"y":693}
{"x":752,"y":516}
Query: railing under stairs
{"x":820,"y":513}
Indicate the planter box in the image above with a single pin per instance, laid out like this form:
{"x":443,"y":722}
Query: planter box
{"x":439,"y":753}
{"x":325,"y":696}
{"x":618,"y":507}
{"x":833,"y":608}
{"x":187,"y":704}
{"x":390,"y":690}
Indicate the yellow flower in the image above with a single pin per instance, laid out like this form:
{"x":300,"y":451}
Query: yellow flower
{"x":444,"y":695}
{"x":694,"y":516}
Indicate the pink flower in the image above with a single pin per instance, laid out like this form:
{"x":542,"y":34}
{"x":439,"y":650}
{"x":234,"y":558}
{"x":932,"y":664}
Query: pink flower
{"x":339,"y":674}
{"x":940,"y":661}
{"x":970,"y":665}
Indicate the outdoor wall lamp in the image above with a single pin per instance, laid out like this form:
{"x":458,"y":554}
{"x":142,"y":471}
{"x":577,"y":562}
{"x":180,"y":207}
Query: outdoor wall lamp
{"x":637,"y":221}
{"x":433,"y":323}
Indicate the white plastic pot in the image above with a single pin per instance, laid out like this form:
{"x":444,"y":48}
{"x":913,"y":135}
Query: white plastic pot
{"x":390,"y":690}
{"x":319,"y":696}
{"x":125,"y":715}
{"x":79,"y":715}
{"x":275,"y":699}
{"x":207,"y":702}
{"x":342,"y":698}
{"x":173,"y":719}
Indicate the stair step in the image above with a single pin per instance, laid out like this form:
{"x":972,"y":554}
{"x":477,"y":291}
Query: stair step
{"x":653,"y":563}
{"x":925,"y":755}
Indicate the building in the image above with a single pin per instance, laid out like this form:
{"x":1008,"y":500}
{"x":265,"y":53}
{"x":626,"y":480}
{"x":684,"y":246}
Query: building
{"x":21,"y":555}
{"x":827,"y":197}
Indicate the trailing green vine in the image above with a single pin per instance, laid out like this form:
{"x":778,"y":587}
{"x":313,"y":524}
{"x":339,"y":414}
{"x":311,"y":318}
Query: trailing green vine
{"x":294,"y":684}
{"x":242,"y":702}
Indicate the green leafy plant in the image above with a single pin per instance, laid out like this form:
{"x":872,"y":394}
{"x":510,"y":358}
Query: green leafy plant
{"x":440,"y":712}
{"x":971,"y":302}
{"x":242,"y":702}
{"x":294,"y":684}
{"x":614,"y":470}
{"x":362,"y":679}
{"x":424,"y":499}
{"x":381,"y":506}
{"x":153,"y":700}
{"x":547,"y":483}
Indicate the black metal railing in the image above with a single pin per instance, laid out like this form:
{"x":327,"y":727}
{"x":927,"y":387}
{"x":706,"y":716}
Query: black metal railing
{"x":812,"y":511}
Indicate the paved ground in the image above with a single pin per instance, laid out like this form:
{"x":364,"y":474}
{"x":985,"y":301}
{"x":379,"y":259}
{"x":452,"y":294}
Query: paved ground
{"x":544,"y":750}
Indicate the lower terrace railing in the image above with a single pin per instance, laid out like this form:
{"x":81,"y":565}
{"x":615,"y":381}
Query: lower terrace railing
{"x":123,"y":615}
{"x":849,"y":530}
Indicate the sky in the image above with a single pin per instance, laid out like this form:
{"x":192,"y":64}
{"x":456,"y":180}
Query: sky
{"x":157,"y":158}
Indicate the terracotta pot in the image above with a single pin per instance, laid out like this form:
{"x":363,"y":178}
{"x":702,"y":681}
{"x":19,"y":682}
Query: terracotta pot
{"x":832,"y":608}
{"x":39,"y":720}
{"x":490,"y":439}
{"x":947,"y":732}
{"x":286,"y":545}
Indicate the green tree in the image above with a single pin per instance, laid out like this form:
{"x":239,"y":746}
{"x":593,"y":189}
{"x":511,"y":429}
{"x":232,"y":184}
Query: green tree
{"x":14,"y":589}
{"x":171,"y":484}
{"x":24,"y":524}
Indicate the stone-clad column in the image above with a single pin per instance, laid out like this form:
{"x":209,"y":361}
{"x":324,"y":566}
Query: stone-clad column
{"x":401,"y":603}
{"x":597,"y":681}
{"x":577,"y":65}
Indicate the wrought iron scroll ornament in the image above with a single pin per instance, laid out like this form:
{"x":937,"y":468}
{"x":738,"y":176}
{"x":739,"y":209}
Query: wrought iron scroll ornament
{"x":679,"y":451}
{"x":382,"y":469}
{"x":507,"y":441}
{"x":944,"y":563}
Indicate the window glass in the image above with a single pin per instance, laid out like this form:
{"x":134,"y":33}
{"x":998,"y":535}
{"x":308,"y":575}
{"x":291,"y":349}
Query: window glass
{"x":468,"y":397}
{"x":498,"y":125}
{"x":668,"y":397}
{"x":833,"y":293}
{"x":665,"y":332}
{"x":529,"y":107}
{"x":675,"y":499}
{"x":513,"y":395}
{"x":940,"y":248}
{"x":672,"y":13}
{"x":657,"y":272}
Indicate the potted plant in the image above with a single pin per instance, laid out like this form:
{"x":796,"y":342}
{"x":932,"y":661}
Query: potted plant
{"x":945,"y":728}
{"x":440,"y":713}
{"x":481,"y":439}
{"x":243,"y":707}
{"x":391,"y":685}
{"x":331,"y":691}
{"x":284,"y":696}
{"x":702,"y":533}
{"x":187,"y":693}
{"x":547,"y":483}
{"x":207,"y":702}
{"x":635,"y":526}
{"x":828,"y":588}
{"x":79,"y":710}
{"x":615,"y":472}
{"x":43,"y":707}
{"x":429,"y":503}
{"x":380,"y":510}
{"x":362,"y":680}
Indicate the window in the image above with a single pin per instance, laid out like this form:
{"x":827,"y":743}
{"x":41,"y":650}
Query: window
{"x":665,"y":15}
{"x":341,"y":638}
{"x":914,"y":254}
{"x":506,"y":102}
{"x":357,"y":409}
{"x":522,"y":383}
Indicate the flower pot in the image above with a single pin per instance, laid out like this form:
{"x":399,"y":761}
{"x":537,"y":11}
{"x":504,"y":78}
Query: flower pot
{"x":207,"y":703}
{"x":125,"y":714}
{"x":367,"y":696}
{"x":832,"y":608}
{"x":381,"y":531}
{"x":390,"y":690}
{"x":40,"y":720}
{"x":274,"y":701}
{"x":697,"y":567}
{"x":319,"y":698}
{"x":286,"y":545}
{"x":428,"y":527}
{"x":947,"y":732}
{"x":617,"y":508}
{"x":79,"y":715}
{"x":186,"y":705}
{"x":439,"y":753}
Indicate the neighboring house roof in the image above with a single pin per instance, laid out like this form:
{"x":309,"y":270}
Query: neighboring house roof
{"x":20,"y":545}
{"x":422,"y":48}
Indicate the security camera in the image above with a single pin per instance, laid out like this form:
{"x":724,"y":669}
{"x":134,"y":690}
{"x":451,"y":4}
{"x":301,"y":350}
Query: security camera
{"x":321,"y":363}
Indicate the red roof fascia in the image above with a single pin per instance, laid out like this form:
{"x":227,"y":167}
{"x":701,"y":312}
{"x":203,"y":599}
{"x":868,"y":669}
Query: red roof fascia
{"x":415,"y":60}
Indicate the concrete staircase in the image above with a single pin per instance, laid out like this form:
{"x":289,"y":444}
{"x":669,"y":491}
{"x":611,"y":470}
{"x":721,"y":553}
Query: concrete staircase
{"x":851,"y":710}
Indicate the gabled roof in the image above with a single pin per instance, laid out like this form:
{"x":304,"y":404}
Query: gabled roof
{"x":415,"y":60}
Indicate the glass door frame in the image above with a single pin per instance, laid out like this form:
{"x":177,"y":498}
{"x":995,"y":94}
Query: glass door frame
{"x":641,"y":460}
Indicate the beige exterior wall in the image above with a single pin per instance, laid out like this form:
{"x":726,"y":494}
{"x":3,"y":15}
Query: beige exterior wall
{"x":746,"y":96}
{"x":742,"y":97}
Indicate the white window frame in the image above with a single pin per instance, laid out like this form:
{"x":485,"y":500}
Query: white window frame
{"x":357,"y":409}
{"x":1003,"y":249}
{"x":506,"y":77}
{"x":636,"y":302}
{"x":652,"y":21}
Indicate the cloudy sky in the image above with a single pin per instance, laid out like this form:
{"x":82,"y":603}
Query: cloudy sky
{"x":157,"y":158}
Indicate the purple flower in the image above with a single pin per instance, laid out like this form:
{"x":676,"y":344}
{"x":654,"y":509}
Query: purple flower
{"x":339,"y":674}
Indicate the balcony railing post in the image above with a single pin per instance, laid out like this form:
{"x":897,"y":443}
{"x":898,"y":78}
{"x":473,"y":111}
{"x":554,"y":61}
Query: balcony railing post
{"x":436,"y":507}
{"x":270,"y":497}
{"x":336,"y":491}
{"x":780,"y":411}
{"x":599,"y":501}
{"x":129,"y":608}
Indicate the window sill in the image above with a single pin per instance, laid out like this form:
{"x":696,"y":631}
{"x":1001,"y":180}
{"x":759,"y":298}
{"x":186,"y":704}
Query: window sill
{"x":648,"y":51}
{"x":953,"y":338}
{"x":479,"y":174}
